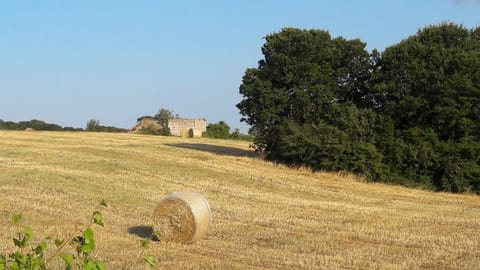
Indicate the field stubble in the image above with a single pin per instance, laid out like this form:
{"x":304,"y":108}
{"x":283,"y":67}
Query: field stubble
{"x":265,"y":216}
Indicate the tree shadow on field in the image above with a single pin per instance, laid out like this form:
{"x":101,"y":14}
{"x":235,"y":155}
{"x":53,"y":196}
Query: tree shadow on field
{"x":216,"y":149}
{"x":142,"y":231}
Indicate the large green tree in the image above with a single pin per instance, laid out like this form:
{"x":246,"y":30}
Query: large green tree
{"x":430,"y":88}
{"x":432,"y":80}
{"x":409,"y":115}
{"x":301,"y":102}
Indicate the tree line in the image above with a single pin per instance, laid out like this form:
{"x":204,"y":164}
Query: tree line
{"x":409,"y":115}
{"x":94,"y":125}
{"x":220,"y":130}
{"x":34,"y":124}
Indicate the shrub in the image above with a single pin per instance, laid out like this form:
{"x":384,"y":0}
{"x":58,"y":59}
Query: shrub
{"x":34,"y":258}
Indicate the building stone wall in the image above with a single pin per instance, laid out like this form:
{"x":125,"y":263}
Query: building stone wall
{"x":187,"y":127}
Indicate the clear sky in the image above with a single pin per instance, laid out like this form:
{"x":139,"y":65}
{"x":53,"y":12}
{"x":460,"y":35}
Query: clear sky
{"x":66,"y":62}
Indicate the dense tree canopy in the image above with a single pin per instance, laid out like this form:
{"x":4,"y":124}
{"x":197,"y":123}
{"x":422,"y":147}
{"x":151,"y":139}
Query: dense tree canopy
{"x":410,"y":115}
{"x":301,"y":102}
{"x":435,"y":77}
{"x":431,"y":90}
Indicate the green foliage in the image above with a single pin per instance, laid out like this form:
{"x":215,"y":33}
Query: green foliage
{"x":162,"y":117}
{"x":149,"y":130}
{"x":300,"y":102}
{"x":410,"y":115}
{"x":97,"y":218}
{"x":23,"y":238}
{"x":236,"y":135}
{"x":221,"y":130}
{"x":150,"y":260}
{"x":432,"y":94}
{"x":16,"y":218}
{"x":33,"y":124}
{"x":94,"y":125}
{"x":34,"y":258}
{"x":432,"y":82}
{"x":144,"y":243}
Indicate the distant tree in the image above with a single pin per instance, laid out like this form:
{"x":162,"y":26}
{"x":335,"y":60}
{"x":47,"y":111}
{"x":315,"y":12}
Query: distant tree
{"x":10,"y":125}
{"x":38,"y":125}
{"x":162,"y":117}
{"x":219,"y":130}
{"x":93,"y":125}
{"x":72,"y":129}
{"x":236,"y":135}
{"x":112,"y":129}
{"x":35,"y":124}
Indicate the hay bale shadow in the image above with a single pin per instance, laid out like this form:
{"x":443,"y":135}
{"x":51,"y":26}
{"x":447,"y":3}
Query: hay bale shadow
{"x":143,"y":231}
{"x":216,"y":149}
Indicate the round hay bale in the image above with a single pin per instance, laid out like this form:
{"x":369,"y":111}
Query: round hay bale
{"x":182,"y":216}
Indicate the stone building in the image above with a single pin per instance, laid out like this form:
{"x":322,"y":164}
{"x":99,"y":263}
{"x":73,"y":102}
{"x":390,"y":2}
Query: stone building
{"x":187,"y":127}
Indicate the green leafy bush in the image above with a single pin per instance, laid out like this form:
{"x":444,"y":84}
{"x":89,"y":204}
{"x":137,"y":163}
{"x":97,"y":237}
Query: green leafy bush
{"x":34,"y":258}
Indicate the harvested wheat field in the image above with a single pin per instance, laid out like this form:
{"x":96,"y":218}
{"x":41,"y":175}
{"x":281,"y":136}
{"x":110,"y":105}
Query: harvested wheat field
{"x":264,"y":216}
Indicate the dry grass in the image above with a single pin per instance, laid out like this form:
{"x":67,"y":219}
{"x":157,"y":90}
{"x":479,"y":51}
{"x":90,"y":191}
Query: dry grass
{"x":264,"y":216}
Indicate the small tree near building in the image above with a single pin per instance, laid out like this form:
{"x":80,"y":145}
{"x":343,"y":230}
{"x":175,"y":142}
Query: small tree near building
{"x":162,"y":118}
{"x":219,"y":130}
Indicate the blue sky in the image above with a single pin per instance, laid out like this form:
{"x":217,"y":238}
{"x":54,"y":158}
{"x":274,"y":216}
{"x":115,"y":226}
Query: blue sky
{"x":66,"y":62}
